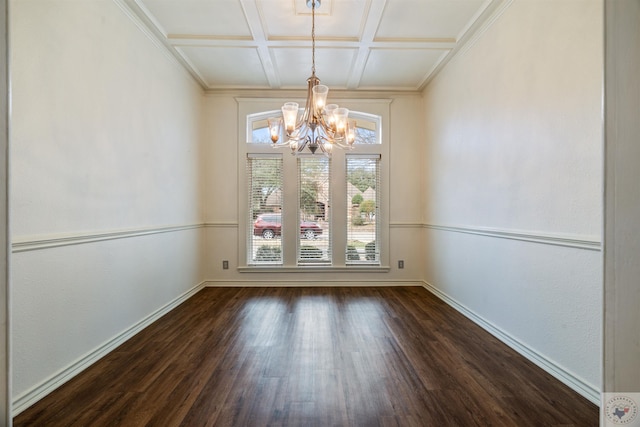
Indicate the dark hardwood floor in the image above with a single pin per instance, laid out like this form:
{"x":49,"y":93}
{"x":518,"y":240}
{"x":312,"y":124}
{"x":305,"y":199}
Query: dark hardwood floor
{"x":312,"y":357}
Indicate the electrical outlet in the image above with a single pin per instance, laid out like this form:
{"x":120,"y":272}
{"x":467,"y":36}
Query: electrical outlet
{"x":401,"y":264}
{"x":225,"y":265}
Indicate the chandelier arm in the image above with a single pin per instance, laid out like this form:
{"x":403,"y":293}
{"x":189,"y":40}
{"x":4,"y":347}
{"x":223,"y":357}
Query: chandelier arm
{"x":304,"y":144}
{"x":299,"y":132}
{"x":323,"y":149}
{"x":307,"y":115}
{"x":321,"y":140}
{"x":281,"y":143}
{"x":322,"y":133}
{"x":326,"y":128}
{"x":302,"y":132}
{"x":325,"y":146}
{"x":335,"y":142}
{"x":325,"y":140}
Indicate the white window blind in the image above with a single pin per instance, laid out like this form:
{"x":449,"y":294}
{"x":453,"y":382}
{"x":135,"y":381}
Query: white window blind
{"x":363,"y":198}
{"x":314,"y":242}
{"x":264,"y":175}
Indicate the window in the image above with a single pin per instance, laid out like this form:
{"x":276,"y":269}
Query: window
{"x":314,"y":188}
{"x":363,"y":185}
{"x":367,"y":128}
{"x":265,"y":207}
{"x":305,"y":211}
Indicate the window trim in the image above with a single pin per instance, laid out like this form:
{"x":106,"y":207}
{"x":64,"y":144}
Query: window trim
{"x":377,"y":233}
{"x":264,"y":115}
{"x":299,"y":240}
{"x":248,"y":214}
{"x":261,"y":108}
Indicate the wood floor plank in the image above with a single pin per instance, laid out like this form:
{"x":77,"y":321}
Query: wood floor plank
{"x":384,"y":356}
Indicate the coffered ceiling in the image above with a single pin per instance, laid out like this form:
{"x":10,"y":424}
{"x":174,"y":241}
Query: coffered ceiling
{"x":360,"y":44}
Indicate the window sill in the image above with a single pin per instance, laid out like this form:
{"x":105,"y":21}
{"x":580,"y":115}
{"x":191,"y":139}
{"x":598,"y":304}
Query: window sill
{"x":315,"y":269}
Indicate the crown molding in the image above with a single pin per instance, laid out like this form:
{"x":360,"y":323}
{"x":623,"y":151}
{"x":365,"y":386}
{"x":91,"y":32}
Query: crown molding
{"x":140,"y":17}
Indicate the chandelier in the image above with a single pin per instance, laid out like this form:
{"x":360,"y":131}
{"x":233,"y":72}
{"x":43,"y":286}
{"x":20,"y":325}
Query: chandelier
{"x":320,"y":125}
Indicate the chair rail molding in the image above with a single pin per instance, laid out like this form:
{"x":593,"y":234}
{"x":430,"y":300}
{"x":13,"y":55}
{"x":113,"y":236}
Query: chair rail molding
{"x":26,"y":244}
{"x":587,"y":242}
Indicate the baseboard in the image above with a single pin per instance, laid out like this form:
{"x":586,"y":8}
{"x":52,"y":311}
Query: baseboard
{"x":31,"y":396}
{"x":36,"y":393}
{"x":581,"y":387}
{"x":308,"y":283}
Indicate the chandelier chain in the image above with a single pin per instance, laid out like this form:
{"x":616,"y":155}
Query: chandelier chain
{"x":319,"y":126}
{"x":313,"y":37}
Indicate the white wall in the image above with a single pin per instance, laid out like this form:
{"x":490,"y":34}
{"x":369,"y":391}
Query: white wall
{"x":106,"y":188}
{"x":513,"y":184}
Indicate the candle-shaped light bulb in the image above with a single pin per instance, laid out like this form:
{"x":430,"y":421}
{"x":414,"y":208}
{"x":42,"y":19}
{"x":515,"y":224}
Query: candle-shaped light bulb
{"x":341,"y":115}
{"x":320,"y":93}
{"x":290,"y":116}
{"x":351,"y":131}
{"x":274,"y":128}
{"x":328,"y":146}
{"x":330,"y":118}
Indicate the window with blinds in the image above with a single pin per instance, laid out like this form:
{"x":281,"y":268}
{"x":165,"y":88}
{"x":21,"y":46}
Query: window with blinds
{"x":314,"y":242}
{"x":265,"y":209}
{"x":310,"y":211}
{"x":363,"y":196}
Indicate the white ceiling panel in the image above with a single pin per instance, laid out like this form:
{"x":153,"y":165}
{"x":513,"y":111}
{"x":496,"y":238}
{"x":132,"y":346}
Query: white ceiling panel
{"x":222,"y":18}
{"x":383,"y":69}
{"x":360,"y":44}
{"x":292,"y":19}
{"x":301,"y":7}
{"x":293,"y":65}
{"x":428,"y":19}
{"x":222,"y":67}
